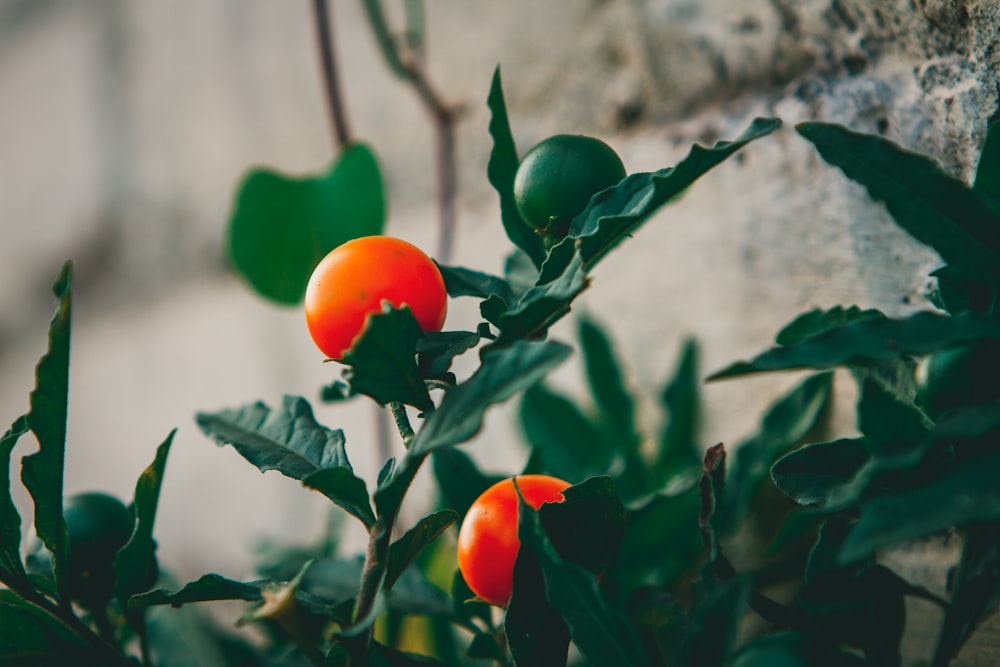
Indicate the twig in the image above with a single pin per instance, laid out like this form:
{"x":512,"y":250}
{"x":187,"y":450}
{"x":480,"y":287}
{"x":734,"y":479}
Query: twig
{"x":324,"y":34}
{"x":402,"y":423}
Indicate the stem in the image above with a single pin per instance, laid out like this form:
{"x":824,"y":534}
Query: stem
{"x":107,"y":650}
{"x":407,"y":64}
{"x":402,"y":423}
{"x":324,"y":35}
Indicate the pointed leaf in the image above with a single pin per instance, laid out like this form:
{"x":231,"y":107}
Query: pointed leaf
{"x":137,"y":559}
{"x":11,"y":567}
{"x":894,"y":429}
{"x":571,"y":446}
{"x":209,"y":587}
{"x":713,"y":621}
{"x":614,"y":214}
{"x":817,"y":321}
{"x":679,"y":450}
{"x":936,"y":209}
{"x":501,"y":170}
{"x":465,"y":282}
{"x":811,"y":473}
{"x":42,"y":472}
{"x":459,"y":480}
{"x":287,"y":439}
{"x":435,"y":351}
{"x":383,"y":361}
{"x":604,"y":376}
{"x":282,"y":226}
{"x":869,"y":341}
{"x":403,"y":551}
{"x":346,"y":490}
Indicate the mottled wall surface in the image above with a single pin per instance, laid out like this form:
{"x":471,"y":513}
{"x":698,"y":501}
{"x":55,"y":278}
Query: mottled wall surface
{"x":124,"y":127}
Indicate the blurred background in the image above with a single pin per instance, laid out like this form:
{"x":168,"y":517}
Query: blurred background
{"x":125,"y":128}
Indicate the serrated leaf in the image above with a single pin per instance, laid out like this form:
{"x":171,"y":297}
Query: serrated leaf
{"x":282,"y":226}
{"x":571,"y":446}
{"x":786,"y":422}
{"x":460,"y":281}
{"x":135,"y":560}
{"x":933,"y":207}
{"x":287,"y":439}
{"x":542,"y":305}
{"x":601,"y":634}
{"x":383,"y":361}
{"x":817,"y":321}
{"x":42,"y":473}
{"x":436,"y":351}
{"x":961,"y":494}
{"x":809,"y":474}
{"x":681,"y":401}
{"x":618,"y":211}
{"x":336,"y":391}
{"x":870,"y":341}
{"x":501,"y":169}
{"x":11,"y":567}
{"x":403,"y":551}
{"x":346,"y":490}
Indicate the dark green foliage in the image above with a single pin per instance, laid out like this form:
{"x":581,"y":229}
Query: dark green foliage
{"x":282,"y":226}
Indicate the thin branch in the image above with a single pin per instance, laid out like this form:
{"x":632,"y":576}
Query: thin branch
{"x":402,"y":423}
{"x":324,"y":35}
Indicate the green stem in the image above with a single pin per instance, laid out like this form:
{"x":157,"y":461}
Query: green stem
{"x":402,"y":423}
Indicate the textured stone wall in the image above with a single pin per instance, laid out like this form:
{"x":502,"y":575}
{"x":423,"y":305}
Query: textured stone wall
{"x":125,"y":127}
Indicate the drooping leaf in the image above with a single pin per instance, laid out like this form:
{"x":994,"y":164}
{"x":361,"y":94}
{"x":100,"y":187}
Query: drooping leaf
{"x":287,"y":439}
{"x":613,"y":216}
{"x":975,"y":593}
{"x":536,"y":633}
{"x":345,"y":489}
{"x":11,"y":567}
{"x":817,"y":321}
{"x":403,"y":551}
{"x":42,"y":473}
{"x":383,"y":361}
{"x":465,"y":282}
{"x":601,"y":634}
{"x":501,"y":170}
{"x":282,"y":226}
{"x":869,"y":341}
{"x":933,"y":207}
{"x":588,"y":526}
{"x":681,"y":401}
{"x":960,"y":495}
{"x":542,"y":305}
{"x":809,"y":474}
{"x":137,"y":558}
{"x":784,"y":425}
{"x":570,"y":444}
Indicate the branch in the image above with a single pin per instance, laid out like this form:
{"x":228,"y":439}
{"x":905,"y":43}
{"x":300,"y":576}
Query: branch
{"x":322,"y":20}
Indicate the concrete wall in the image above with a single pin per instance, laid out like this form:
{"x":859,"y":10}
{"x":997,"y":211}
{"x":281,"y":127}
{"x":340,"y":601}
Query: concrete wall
{"x":124,"y":127}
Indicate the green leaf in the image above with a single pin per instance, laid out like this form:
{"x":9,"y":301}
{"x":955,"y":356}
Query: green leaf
{"x":817,"y":321}
{"x":383,"y":361}
{"x":435,"y":351}
{"x":459,"y":480}
{"x":964,"y":493}
{"x":933,"y":207}
{"x":603,"y":636}
{"x":31,"y":637}
{"x":894,"y":429}
{"x":792,"y":649}
{"x":542,"y":305}
{"x":135,"y":563}
{"x":785,"y":424}
{"x":11,"y":567}
{"x":42,"y":473}
{"x":588,"y":526}
{"x":346,"y":490}
{"x":411,"y":593}
{"x":287,"y":439}
{"x":465,"y":282}
{"x":501,"y":170}
{"x":604,"y":376}
{"x":620,"y":210}
{"x":809,"y":474}
{"x":681,"y":400}
{"x":571,"y":446}
{"x":958,"y":292}
{"x":968,"y":422}
{"x":520,"y":272}
{"x":713,"y":620}
{"x":976,"y":591}
{"x":987,"y":182}
{"x":282,"y":226}
{"x":403,"y":551}
{"x":503,"y":373}
{"x":870,"y":341}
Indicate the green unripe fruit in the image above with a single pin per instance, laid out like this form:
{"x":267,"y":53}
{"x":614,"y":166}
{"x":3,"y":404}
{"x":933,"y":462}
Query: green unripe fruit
{"x":98,"y":526}
{"x":557,"y":178}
